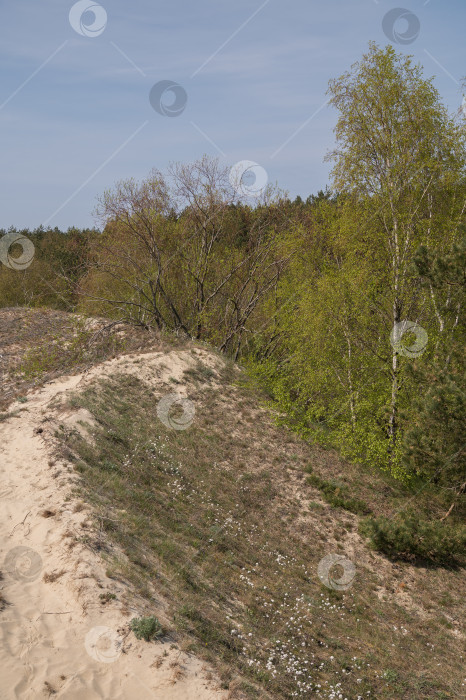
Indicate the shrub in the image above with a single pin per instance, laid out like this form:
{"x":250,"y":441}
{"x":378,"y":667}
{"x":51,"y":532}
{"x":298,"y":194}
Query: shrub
{"x":147,"y":628}
{"x":407,"y":535}
{"x":337,"y":494}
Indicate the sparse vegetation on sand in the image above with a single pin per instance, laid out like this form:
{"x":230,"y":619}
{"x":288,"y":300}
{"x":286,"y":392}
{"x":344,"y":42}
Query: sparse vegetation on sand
{"x":147,"y":628}
{"x":212,"y":525}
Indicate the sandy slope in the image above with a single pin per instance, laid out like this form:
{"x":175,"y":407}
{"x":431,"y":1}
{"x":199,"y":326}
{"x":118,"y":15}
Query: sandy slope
{"x":56,"y":638}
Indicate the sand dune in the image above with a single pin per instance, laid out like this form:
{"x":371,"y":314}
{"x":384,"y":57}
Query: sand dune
{"x":57,"y":638}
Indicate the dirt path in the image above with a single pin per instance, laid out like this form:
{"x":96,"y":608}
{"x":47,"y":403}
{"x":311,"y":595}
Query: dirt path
{"x":56,"y":637}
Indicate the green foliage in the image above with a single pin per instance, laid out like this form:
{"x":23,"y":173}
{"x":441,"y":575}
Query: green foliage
{"x":180,"y":252}
{"x":407,"y":536}
{"x":50,"y":280}
{"x":337,"y":495}
{"x":306,"y":293}
{"x":327,"y":359}
{"x":147,"y":628}
{"x":434,"y":444}
{"x":391,"y":126}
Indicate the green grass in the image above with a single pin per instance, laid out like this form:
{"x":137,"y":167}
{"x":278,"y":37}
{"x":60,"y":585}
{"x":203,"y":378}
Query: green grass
{"x":147,"y":628}
{"x":337,"y":495}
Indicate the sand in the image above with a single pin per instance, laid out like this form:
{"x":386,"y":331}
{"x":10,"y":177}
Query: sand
{"x":56,"y":637}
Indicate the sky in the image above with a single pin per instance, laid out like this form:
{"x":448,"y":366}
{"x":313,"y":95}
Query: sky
{"x":85,"y":96}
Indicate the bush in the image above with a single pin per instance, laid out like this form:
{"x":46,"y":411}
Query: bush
{"x":146,"y":628}
{"x":408,"y":536}
{"x":337,"y":494}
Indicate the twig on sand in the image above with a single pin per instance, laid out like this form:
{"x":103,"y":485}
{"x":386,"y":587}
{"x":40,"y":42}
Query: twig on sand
{"x":21,"y":523}
{"x":66,"y":612}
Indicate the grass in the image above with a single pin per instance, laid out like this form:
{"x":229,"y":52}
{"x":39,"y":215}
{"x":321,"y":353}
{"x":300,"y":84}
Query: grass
{"x":106,"y":597}
{"x":147,"y":628}
{"x":336,"y":493}
{"x":3,"y":601}
{"x":39,"y":345}
{"x":219,"y":522}
{"x":61,"y":351}
{"x":7,"y":415}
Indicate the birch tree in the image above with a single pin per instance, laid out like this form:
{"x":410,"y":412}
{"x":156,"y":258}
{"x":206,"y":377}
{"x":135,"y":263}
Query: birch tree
{"x":400,"y":154}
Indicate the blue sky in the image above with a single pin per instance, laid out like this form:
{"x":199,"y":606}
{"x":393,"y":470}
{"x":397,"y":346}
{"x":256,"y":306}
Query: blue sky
{"x":75,"y":114}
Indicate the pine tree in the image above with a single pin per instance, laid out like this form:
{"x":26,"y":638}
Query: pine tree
{"x":435,"y":445}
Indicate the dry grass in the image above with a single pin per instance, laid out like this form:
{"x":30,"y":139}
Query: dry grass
{"x":219,"y":530}
{"x":38,"y":345}
{"x":53,"y":576}
{"x":48,"y":513}
{"x":49,"y":689}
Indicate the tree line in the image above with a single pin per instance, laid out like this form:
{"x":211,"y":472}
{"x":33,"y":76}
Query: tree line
{"x":348,"y":306}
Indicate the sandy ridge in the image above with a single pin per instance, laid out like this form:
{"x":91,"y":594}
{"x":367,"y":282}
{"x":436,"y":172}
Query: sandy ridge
{"x":51,"y":641}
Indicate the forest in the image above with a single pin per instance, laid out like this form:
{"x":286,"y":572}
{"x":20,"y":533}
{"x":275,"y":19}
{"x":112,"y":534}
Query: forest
{"x":347,"y":307}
